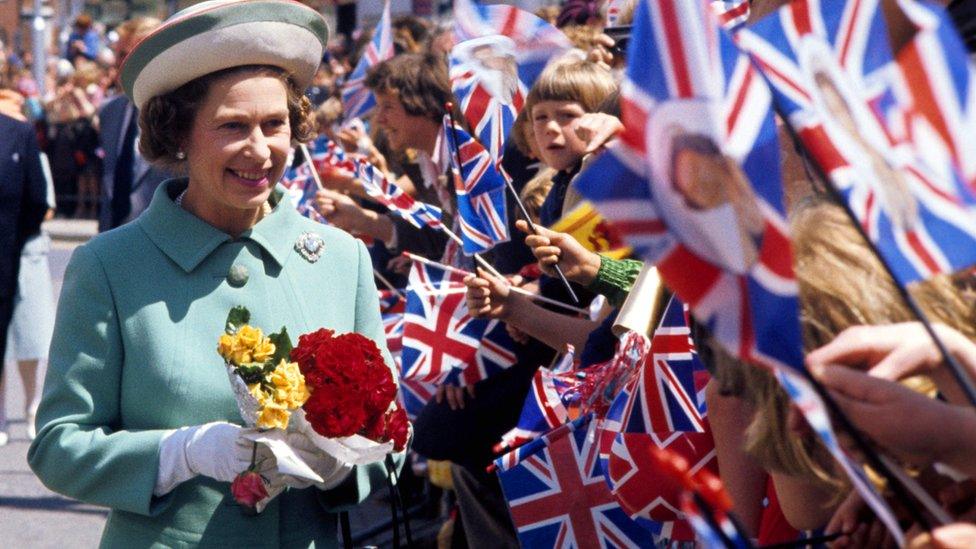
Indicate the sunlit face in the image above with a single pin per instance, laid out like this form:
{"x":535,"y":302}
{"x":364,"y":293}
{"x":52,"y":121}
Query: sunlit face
{"x":239,"y":144}
{"x":402,"y":129}
{"x":554,"y":127}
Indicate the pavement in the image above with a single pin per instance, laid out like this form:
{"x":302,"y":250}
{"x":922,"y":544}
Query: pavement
{"x":32,"y":516}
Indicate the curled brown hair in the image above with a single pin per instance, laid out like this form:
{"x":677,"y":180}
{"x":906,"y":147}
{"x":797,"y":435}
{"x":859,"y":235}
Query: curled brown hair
{"x":166,"y":120}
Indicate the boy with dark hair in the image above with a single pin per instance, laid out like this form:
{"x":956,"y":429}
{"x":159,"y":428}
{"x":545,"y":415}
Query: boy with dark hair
{"x":412,"y":91}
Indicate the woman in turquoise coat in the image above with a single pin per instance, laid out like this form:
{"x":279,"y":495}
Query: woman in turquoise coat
{"x":137,"y":413}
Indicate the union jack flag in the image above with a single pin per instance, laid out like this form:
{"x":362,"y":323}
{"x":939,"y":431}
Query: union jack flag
{"x":488,"y":97}
{"x":937,"y":79}
{"x":357,"y":100}
{"x":299,"y":183}
{"x":442,"y":342}
{"x":546,"y":406}
{"x":658,"y":407}
{"x":480,"y":190}
{"x":732,"y":14}
{"x":327,"y":154}
{"x":557,"y":497}
{"x":392,"y":306}
{"x":664,"y":395}
{"x":697,"y":116}
{"x":893,"y":135}
{"x":379,"y":187}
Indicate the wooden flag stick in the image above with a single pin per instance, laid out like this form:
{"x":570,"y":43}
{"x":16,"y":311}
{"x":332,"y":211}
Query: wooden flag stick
{"x":516,"y":289}
{"x":511,"y":189}
{"x":384,"y":281}
{"x":308,"y":158}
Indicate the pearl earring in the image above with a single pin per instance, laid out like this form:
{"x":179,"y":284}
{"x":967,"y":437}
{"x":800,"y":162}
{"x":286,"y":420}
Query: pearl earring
{"x":180,"y":155}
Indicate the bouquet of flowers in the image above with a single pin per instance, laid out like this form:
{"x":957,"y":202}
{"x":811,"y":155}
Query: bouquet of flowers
{"x":353,"y":411}
{"x":267,"y":386}
{"x":336,"y":390}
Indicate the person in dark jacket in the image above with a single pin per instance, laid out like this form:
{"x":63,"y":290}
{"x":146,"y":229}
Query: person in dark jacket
{"x":23,"y":203}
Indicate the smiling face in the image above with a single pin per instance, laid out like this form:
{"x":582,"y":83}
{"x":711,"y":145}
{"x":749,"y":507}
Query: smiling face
{"x":554,"y":127}
{"x":237,"y":148}
{"x":403,"y":130}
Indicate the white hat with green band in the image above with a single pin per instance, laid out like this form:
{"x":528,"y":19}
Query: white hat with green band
{"x":220,"y":34}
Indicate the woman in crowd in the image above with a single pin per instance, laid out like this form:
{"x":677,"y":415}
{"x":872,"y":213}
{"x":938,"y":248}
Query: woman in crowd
{"x":137,"y":413}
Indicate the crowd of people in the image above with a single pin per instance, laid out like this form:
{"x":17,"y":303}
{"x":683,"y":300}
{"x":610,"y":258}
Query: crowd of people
{"x":149,"y":149}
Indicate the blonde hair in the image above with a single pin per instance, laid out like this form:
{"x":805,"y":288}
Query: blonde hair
{"x":626,"y":16}
{"x":522,"y":131}
{"x":841,"y":284}
{"x":572,"y":79}
{"x":137,"y":27}
{"x":535,"y":191}
{"x":584,"y":37}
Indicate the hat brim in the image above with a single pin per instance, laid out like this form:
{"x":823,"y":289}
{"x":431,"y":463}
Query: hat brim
{"x":279,"y":33}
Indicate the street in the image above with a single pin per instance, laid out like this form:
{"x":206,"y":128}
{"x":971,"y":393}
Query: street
{"x":30,"y":514}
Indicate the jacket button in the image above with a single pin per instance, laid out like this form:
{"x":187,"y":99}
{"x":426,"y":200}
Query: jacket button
{"x":237,"y":276}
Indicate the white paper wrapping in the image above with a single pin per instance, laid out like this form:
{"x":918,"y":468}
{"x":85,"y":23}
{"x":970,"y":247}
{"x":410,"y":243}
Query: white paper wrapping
{"x":356,"y":449}
{"x":247,"y":405}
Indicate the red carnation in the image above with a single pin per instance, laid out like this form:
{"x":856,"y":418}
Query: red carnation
{"x":375,"y":428}
{"x":397,"y":428}
{"x":351,"y":387}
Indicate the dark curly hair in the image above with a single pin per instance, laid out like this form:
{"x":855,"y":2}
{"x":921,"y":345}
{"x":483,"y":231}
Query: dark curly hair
{"x":166,"y":120}
{"x":420,"y":80}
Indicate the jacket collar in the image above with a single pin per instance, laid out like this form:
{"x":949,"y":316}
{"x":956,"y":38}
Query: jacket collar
{"x":188,"y":240}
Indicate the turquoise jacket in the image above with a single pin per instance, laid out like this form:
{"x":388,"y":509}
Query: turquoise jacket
{"x":134,"y":354}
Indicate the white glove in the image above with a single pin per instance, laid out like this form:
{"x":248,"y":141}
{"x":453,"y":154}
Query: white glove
{"x":214,"y":450}
{"x":332,"y":471}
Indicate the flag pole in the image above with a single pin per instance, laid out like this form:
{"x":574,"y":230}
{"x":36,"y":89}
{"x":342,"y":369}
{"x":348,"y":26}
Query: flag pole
{"x":516,"y":289}
{"x":318,"y":184}
{"x":450,"y":113}
{"x":899,"y":484}
{"x":708,"y":513}
{"x":958,"y":372}
{"x":308,"y":158}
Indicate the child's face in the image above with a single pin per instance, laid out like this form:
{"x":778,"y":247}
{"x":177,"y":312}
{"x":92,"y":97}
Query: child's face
{"x":554,"y":126}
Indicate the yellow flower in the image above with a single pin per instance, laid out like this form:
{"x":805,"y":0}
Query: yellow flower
{"x":286,"y":393}
{"x":273,"y":416}
{"x":246,"y":346}
{"x":263,"y":351}
{"x":289,"y":385}
{"x":249,"y":336}
{"x":225,"y":346}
